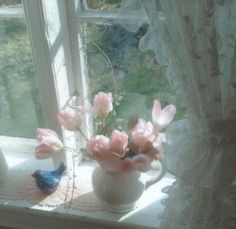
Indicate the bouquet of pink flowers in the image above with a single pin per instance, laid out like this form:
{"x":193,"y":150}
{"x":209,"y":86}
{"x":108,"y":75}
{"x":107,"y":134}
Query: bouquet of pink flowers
{"x":115,"y":150}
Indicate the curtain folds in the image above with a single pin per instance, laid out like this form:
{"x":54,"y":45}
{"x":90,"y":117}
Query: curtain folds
{"x":196,"y":41}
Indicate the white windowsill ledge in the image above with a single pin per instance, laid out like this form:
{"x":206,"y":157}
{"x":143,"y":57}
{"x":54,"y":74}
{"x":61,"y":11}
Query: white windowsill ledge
{"x":22,"y":214}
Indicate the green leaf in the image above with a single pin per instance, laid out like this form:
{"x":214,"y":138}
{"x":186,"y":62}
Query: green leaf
{"x":133,"y":121}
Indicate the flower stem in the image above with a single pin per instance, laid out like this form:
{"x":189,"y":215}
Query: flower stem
{"x":83,"y":135}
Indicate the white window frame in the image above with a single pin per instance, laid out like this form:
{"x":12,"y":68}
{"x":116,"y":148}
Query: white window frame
{"x":58,"y":58}
{"x":72,"y":15}
{"x":62,"y":73}
{"x":54,"y":65}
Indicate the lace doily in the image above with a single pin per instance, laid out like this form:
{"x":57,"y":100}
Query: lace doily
{"x":73,"y":192}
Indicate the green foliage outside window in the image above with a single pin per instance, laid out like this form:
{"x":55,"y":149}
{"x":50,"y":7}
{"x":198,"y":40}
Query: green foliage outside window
{"x":113,"y":56}
{"x":113,"y":52}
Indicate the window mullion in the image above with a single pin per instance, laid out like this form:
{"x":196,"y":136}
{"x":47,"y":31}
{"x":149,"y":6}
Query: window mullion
{"x":79,"y":60}
{"x":104,"y":16}
{"x":43,"y":63}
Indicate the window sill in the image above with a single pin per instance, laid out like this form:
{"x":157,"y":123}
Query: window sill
{"x":23,"y":214}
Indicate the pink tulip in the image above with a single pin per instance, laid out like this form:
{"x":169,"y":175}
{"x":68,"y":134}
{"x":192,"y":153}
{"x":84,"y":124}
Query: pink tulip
{"x":40,"y":133}
{"x":118,"y":142}
{"x":157,"y":142}
{"x":110,"y":162}
{"x":102,"y":104}
{"x":43,"y":151}
{"x":126,"y":165}
{"x":157,"y":145}
{"x":141,"y":163}
{"x":98,"y":147}
{"x":142,"y":133}
{"x":48,"y":146}
{"x":69,"y":119}
{"x":162,"y":117}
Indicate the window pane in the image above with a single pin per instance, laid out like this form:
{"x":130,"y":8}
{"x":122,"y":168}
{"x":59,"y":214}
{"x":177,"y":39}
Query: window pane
{"x":112,"y":49}
{"x":20,"y":110}
{"x":102,"y":4}
{"x":9,"y":2}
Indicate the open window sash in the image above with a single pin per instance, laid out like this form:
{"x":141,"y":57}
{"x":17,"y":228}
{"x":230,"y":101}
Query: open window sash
{"x":55,"y":40}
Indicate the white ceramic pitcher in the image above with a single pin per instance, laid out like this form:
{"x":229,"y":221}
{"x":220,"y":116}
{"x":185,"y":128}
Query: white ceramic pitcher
{"x":119,"y":191}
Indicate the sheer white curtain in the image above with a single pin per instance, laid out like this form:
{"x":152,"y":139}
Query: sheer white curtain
{"x":196,"y":41}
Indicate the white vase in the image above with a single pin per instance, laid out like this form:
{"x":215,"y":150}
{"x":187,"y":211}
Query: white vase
{"x":118,"y":191}
{"x":3,"y":167}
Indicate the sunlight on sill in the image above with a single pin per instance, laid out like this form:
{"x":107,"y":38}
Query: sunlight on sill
{"x":13,"y":161}
{"x":45,"y":208}
{"x":155,"y":195}
{"x":145,"y":213}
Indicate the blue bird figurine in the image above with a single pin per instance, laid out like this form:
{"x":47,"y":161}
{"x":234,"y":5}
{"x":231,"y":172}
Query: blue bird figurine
{"x":48,"y":181}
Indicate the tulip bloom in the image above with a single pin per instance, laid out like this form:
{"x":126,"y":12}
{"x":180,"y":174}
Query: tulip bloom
{"x":126,"y":165}
{"x":102,"y":104}
{"x":98,"y":147}
{"x":48,"y":146}
{"x":118,"y":142}
{"x":69,"y":119}
{"x":40,"y":133}
{"x":162,"y":117}
{"x":110,"y":162}
{"x":142,"y":133}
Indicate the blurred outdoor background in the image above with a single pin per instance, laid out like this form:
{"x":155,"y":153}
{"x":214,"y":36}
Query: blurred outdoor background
{"x":115,"y":64}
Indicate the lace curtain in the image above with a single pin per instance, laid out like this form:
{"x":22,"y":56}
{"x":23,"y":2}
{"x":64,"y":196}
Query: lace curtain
{"x":196,"y":41}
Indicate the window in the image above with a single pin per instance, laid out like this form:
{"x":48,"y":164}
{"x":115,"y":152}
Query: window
{"x":115,"y":62}
{"x":20,"y":110}
{"x":79,"y":48}
{"x":34,"y":87}
{"x":82,"y":49}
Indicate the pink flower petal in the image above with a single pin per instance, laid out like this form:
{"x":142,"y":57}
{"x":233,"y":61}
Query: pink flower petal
{"x":110,"y":162}
{"x":141,"y":163}
{"x":42,"y":156}
{"x":102,"y":104}
{"x":158,"y":141}
{"x":42,"y":132}
{"x":126,"y":165}
{"x":53,"y":142}
{"x":70,"y":119}
{"x":43,"y":151}
{"x":98,"y":147}
{"x":142,"y":133}
{"x":118,"y":142}
{"x":166,"y":116}
{"x":156,"y":110}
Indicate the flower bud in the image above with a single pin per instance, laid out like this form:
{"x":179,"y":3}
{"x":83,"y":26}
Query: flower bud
{"x":118,"y":142}
{"x":48,"y":146}
{"x":98,"y":147}
{"x":102,"y":104}
{"x":69,"y":119}
{"x":41,"y":132}
{"x":142,"y":133}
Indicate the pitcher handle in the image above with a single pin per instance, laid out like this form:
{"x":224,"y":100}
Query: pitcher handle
{"x":158,"y":176}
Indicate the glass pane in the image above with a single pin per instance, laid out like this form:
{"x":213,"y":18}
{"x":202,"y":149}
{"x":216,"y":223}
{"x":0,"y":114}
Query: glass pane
{"x":20,"y":110}
{"x":102,"y":4}
{"x":10,"y":2}
{"x":114,"y":56}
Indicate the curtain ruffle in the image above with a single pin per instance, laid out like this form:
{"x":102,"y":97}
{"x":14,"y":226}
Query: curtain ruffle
{"x":200,"y":157}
